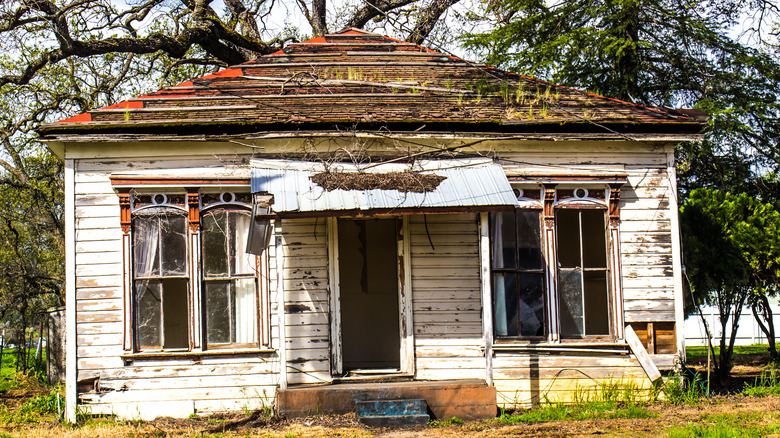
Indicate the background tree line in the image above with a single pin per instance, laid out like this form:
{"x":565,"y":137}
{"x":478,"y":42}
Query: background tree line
{"x":63,"y":57}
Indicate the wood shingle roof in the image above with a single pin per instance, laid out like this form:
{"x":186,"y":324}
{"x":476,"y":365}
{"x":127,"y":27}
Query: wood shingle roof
{"x":356,"y":77}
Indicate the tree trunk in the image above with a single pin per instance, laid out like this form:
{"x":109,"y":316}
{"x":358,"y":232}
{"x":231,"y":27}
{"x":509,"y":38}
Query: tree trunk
{"x":762,"y":311}
{"x":318,"y":24}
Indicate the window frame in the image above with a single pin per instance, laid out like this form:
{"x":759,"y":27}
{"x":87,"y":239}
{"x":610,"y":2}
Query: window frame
{"x":550,"y":202}
{"x":518,"y":270}
{"x":192,"y":190}
{"x":138,"y":213}
{"x":229,"y":207}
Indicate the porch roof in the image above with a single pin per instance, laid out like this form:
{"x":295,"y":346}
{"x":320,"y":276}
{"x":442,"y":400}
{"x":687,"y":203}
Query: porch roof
{"x":468,"y":185}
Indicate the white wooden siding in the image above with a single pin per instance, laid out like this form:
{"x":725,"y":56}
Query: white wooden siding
{"x":446,"y":296}
{"x":445,"y":289}
{"x":304,"y":248}
{"x":203,"y":384}
{"x":522,"y":379}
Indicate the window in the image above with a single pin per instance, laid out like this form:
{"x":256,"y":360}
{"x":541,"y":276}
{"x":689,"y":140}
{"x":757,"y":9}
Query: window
{"x":550,"y":266}
{"x":161,"y":278}
{"x":583,"y":301}
{"x":229,"y":279}
{"x":518,"y":274}
{"x":192,"y":283}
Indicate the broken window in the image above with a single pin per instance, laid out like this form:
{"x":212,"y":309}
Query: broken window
{"x":160,"y":278}
{"x":583,"y":292}
{"x":229,"y":279}
{"x":517,"y":273}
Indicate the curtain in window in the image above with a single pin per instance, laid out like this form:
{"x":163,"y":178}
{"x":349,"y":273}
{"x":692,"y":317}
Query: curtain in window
{"x":146,"y":246}
{"x":246,"y":319}
{"x":499,"y":296}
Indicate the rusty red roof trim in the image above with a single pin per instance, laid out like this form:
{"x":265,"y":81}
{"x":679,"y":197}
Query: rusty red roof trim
{"x":83,"y":117}
{"x":231,"y":72}
{"x":125,"y":105}
{"x":183,"y":84}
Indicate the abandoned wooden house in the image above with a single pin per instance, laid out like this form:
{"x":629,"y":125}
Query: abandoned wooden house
{"x":355,"y":218}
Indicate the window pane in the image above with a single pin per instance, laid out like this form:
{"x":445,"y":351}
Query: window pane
{"x":531,"y":304}
{"x":148,"y":298}
{"x":596,"y":303}
{"x":243,"y":263}
{"x":594,"y":239}
{"x":505,"y":304}
{"x":219,"y":312}
{"x":146,"y":246}
{"x":567,"y":227}
{"x":215,"y":244}
{"x":570,"y":302}
{"x":529,"y":239}
{"x":173,"y":234}
{"x":175,"y":311}
{"x":503,"y":239}
{"x":246,"y":315}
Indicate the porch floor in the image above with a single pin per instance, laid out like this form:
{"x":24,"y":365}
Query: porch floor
{"x":465,"y":399}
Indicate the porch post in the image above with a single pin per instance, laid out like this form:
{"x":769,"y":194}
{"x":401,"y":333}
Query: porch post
{"x":677,"y":266}
{"x":487,"y":300}
{"x":71,"y":360}
{"x":279,"y":255}
{"x":336,"y":365}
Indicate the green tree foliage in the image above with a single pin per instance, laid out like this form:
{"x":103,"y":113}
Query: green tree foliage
{"x":732,"y":253}
{"x":661,"y":53}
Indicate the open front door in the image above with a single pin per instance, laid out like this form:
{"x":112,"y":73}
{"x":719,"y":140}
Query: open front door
{"x":368,"y":289}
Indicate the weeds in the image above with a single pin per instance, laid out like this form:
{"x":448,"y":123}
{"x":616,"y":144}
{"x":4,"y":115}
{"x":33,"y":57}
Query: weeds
{"x":767,"y":384}
{"x":35,"y":409}
{"x":445,"y":423}
{"x":678,"y":390}
{"x":611,"y":399}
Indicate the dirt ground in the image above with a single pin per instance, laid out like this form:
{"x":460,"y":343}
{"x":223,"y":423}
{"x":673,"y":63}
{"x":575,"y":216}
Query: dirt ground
{"x":662,"y":419}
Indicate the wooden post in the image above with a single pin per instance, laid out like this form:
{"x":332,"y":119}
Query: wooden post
{"x":125,"y":222}
{"x":336,"y":364}
{"x":616,"y":275}
{"x":679,"y":306}
{"x":405,"y":289}
{"x":550,"y":257}
{"x":487,"y":300}
{"x":279,"y":253}
{"x":71,"y":360}
{"x":193,"y":218}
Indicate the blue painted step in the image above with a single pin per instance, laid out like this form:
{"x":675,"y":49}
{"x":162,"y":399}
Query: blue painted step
{"x":392,"y":413}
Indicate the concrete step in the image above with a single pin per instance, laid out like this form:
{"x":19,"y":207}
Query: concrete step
{"x":395,"y":420}
{"x":366,"y":408}
{"x":465,"y":399}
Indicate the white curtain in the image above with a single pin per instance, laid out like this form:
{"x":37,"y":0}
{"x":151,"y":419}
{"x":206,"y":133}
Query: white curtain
{"x":246,"y":318}
{"x":499,"y":297}
{"x":244,"y":262}
{"x":146,"y":244}
{"x":246,"y":308}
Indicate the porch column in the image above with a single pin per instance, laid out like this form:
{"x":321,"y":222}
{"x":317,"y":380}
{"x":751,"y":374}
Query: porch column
{"x":279,"y":255}
{"x":71,"y":361}
{"x":487,"y":299}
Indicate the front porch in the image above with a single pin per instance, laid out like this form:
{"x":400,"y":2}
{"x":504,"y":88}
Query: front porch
{"x":466,"y":399}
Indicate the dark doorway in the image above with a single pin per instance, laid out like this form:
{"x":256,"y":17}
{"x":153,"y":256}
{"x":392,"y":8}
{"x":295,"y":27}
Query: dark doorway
{"x":368,"y":272}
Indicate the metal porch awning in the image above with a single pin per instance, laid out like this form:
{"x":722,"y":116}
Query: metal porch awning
{"x":468,"y":185}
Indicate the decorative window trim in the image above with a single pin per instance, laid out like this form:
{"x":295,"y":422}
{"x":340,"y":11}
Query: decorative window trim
{"x":191,"y":189}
